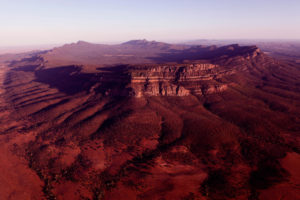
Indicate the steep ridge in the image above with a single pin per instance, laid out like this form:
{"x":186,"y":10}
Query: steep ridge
{"x":194,"y":123}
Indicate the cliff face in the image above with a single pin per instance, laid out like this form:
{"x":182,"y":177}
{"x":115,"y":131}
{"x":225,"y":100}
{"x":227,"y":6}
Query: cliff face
{"x":176,"y":80}
{"x":163,"y":80}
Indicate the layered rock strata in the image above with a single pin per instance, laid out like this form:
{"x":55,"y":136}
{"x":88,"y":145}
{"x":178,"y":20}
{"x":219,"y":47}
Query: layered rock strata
{"x":175,"y":80}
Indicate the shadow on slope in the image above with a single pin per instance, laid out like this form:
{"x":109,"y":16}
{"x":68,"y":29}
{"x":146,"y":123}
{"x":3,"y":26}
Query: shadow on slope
{"x":203,"y":53}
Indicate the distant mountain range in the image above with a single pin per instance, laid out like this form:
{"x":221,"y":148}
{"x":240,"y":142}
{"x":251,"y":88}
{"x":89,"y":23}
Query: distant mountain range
{"x":136,"y":52}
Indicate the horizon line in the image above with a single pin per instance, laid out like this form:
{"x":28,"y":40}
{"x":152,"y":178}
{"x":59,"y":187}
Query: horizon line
{"x":166,"y":41}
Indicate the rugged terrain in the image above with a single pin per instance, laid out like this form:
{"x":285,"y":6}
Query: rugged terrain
{"x":149,"y":120}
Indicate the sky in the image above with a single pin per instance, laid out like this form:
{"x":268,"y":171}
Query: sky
{"x":42,"y":22}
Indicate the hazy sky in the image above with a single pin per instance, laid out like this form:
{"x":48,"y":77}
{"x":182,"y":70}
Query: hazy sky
{"x":33,"y":22}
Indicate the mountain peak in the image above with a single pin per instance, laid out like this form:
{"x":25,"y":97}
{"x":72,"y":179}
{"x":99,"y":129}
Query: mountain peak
{"x":138,"y":42}
{"x":145,"y":42}
{"x":81,"y":42}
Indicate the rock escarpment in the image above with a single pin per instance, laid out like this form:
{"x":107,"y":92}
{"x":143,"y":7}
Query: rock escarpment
{"x":162,"y":80}
{"x":176,"y":80}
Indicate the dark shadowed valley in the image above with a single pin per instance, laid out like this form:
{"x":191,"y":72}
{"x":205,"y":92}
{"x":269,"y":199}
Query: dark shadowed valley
{"x":150,"y":120}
